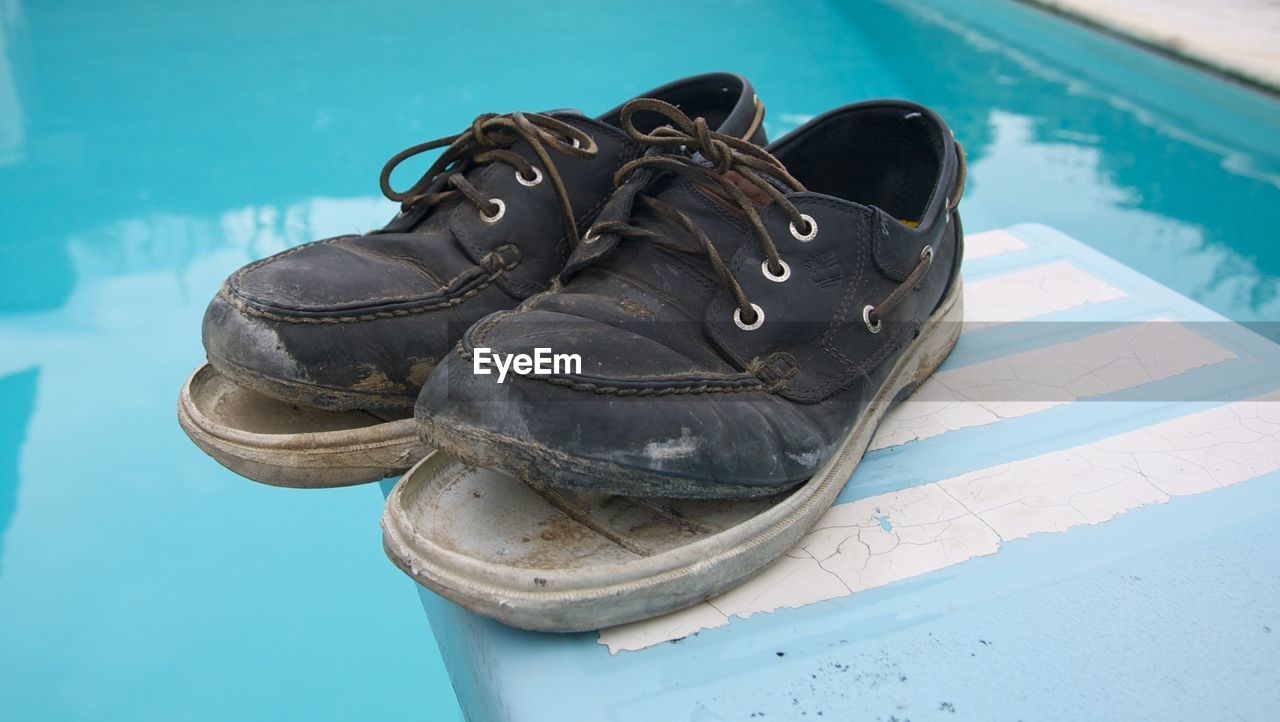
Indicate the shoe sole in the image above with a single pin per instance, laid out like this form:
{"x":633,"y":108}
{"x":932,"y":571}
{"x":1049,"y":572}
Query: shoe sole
{"x":284,"y":444}
{"x":558,"y":560}
{"x":312,"y":395}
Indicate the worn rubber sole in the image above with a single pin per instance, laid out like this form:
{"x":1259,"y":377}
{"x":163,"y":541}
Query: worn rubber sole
{"x":284,"y":444}
{"x":559,"y":560}
{"x":312,"y":395}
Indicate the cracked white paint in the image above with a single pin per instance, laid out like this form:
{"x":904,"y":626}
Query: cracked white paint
{"x":1024,"y":383}
{"x":899,"y":535}
{"x":991,"y":243}
{"x":942,"y":405}
{"x":1031,"y":292}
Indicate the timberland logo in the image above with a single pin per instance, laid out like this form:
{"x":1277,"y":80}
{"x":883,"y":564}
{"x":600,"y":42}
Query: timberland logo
{"x":543,"y":362}
{"x":824,"y":269}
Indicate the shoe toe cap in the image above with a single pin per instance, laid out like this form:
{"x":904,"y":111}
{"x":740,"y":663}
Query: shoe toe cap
{"x":244,"y":345}
{"x":745,"y":438}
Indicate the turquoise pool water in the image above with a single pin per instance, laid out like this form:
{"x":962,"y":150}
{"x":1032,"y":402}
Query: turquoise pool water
{"x":149,"y":148}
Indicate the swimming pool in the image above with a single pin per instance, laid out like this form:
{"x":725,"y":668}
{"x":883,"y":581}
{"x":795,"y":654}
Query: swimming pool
{"x":148,"y":149}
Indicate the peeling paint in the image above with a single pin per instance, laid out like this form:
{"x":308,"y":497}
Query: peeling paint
{"x":1025,"y":383}
{"x":991,"y":243}
{"x":1031,"y":292}
{"x":940,"y":524}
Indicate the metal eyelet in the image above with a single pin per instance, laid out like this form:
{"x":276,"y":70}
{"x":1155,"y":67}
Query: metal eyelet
{"x":779,"y":278}
{"x":502,"y":210}
{"x":866,"y":319}
{"x":805,"y":237}
{"x":531,"y":182}
{"x":926,"y":255}
{"x":590,"y":236}
{"x":737,"y":318}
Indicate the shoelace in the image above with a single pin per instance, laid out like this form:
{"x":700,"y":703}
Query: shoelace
{"x":488,"y":140}
{"x":725,"y":155}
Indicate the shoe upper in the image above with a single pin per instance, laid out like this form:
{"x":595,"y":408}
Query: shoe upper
{"x":734,"y":310}
{"x":358,"y":321}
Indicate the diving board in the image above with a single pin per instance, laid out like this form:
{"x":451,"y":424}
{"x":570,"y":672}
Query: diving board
{"x":1077,"y":516}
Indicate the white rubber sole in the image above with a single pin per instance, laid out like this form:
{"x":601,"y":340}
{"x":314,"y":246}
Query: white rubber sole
{"x":284,"y":444}
{"x":564,"y":561}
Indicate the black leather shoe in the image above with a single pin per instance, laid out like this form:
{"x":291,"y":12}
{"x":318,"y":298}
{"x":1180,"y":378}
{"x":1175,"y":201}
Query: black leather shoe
{"x":743,"y":317}
{"x":358,"y":322}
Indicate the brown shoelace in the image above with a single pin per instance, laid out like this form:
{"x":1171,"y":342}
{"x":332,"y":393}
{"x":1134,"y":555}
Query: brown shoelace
{"x":489,"y":140}
{"x":725,"y":155}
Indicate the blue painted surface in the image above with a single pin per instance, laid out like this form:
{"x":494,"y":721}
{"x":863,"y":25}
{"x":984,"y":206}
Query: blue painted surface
{"x":1123,"y":622}
{"x":1164,"y":612}
{"x":149,"y":148}
{"x":1250,"y":373}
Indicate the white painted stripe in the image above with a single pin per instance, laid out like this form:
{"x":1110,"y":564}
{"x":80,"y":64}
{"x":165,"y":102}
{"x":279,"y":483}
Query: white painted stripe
{"x":1032,"y":381}
{"x":1031,"y":292}
{"x":991,"y":243}
{"x":903,"y":534}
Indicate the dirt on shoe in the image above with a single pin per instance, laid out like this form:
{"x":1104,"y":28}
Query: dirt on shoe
{"x":360,"y":321}
{"x":742,"y":315}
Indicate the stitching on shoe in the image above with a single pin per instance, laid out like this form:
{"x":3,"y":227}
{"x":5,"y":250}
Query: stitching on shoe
{"x":479,"y":333}
{"x":242,"y":304}
{"x":883,"y":258}
{"x":728,"y":385}
{"x":651,"y":390}
{"x":233,"y":283}
{"x":887,"y":347}
{"x":840,"y":319}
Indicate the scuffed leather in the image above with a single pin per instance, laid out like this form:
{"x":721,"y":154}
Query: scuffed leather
{"x":368,"y":317}
{"x":670,"y":387}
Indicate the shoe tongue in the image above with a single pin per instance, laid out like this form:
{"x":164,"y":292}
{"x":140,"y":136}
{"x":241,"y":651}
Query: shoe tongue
{"x":709,"y":210}
{"x":437,"y":217}
{"x":650,"y":260}
{"x":758,"y":197}
{"x":672,"y":274}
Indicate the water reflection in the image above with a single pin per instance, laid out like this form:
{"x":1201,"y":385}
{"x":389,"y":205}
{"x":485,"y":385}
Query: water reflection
{"x":1164,"y":169}
{"x":17,"y":401}
{"x":132,"y":289}
{"x":131,"y":554}
{"x":12,"y":135}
